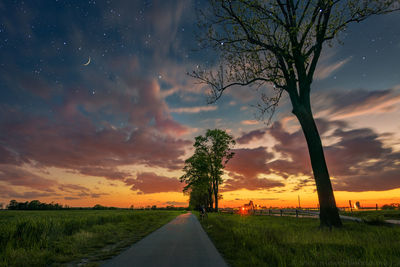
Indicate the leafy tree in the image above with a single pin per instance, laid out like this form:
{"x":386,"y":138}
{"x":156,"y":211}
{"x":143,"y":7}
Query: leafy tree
{"x":277,"y":44}
{"x":204,"y":169}
{"x":34,"y":205}
{"x":99,"y":207}
{"x":13,"y":205}
{"x":199,"y":184}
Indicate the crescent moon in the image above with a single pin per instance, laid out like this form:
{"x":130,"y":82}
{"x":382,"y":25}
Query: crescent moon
{"x":87,"y":63}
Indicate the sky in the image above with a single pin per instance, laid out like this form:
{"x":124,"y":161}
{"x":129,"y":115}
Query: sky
{"x":96,"y":107}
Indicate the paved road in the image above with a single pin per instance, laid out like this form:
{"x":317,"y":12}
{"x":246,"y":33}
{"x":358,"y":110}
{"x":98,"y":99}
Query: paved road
{"x":182,"y":242}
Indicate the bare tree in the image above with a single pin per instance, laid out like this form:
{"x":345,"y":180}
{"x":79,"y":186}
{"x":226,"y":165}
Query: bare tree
{"x":277,"y":44}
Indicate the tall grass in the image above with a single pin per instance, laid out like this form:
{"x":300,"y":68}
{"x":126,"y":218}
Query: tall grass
{"x":40,"y":238}
{"x":285,"y":241}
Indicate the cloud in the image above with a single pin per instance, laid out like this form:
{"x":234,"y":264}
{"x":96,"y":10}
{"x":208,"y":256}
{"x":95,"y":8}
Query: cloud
{"x":249,"y":162}
{"x":193,"y":109}
{"x":246,"y":166}
{"x":325,"y":65}
{"x":72,"y":188}
{"x":359,"y":102}
{"x":250,"y":122}
{"x":148,"y":183}
{"x":71,"y":198}
{"x":324,"y":70}
{"x":18,"y":177}
{"x":109,"y":173}
{"x":175,"y":203}
{"x":13,"y":176}
{"x":246,"y":138}
{"x":9,"y":192}
{"x":358,"y":161}
{"x":79,"y":145}
{"x":241,"y":182}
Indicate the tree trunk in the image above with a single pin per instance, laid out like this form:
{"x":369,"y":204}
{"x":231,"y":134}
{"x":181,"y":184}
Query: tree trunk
{"x":210,"y":199}
{"x":216,"y":196}
{"x":329,"y":214}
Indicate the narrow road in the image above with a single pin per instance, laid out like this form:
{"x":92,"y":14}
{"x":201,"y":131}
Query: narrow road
{"x":180,"y":243}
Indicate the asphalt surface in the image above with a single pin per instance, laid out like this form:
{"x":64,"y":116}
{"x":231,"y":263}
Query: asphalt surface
{"x":180,"y":243}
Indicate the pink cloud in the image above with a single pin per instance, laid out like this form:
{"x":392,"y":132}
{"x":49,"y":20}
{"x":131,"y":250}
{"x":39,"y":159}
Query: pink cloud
{"x":359,"y":161}
{"x":357,"y":102}
{"x":241,"y":182}
{"x":193,"y":109}
{"x":19,"y":177}
{"x":250,"y":122}
{"x":79,"y":145}
{"x":148,"y":183}
{"x":249,"y":162}
{"x":324,"y":69}
{"x":244,"y":170}
{"x":12,"y":176}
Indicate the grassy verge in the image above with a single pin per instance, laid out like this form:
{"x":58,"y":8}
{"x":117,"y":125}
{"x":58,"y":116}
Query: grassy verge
{"x":370,"y":214}
{"x":285,"y":241}
{"x":43,"y":238}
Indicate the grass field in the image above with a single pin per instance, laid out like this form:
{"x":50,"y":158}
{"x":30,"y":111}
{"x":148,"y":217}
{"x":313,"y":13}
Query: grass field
{"x":375,"y":214}
{"x":46,"y":238}
{"x":286,"y":241}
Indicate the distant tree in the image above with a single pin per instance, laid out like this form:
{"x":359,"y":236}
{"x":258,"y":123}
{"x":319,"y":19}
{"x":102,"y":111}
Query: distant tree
{"x":22,"y":205}
{"x":1,"y":206}
{"x":199,"y":183}
{"x":99,"y":207}
{"x":216,"y":145}
{"x":203,"y":171}
{"x":391,"y":206}
{"x":13,"y":205}
{"x":35,"y":205}
{"x":278,"y":43}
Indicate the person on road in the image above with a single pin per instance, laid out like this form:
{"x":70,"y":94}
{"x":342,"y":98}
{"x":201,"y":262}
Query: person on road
{"x":202,"y":212}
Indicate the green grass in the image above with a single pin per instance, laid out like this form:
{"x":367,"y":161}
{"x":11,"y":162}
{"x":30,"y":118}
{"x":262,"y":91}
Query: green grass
{"x":52,"y":238}
{"x":286,"y":241}
{"x":383,"y":214}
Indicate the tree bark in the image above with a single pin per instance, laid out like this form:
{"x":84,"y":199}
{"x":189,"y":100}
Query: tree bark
{"x":216,"y":196}
{"x":329,"y":214}
{"x":210,"y":206}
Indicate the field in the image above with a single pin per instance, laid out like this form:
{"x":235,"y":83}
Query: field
{"x":378,"y":215}
{"x":43,"y":238}
{"x":287,"y":241}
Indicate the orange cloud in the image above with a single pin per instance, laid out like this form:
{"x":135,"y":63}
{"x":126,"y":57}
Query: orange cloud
{"x":250,"y":122}
{"x":193,"y":109}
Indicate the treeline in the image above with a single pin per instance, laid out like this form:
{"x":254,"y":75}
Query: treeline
{"x":34,"y":205}
{"x":37,"y":205}
{"x":392,"y":206}
{"x":204,"y":169}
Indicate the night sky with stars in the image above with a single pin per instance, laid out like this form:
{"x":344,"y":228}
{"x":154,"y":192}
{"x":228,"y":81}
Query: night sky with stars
{"x":116,"y":131}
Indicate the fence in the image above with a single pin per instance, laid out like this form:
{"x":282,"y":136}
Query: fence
{"x":303,"y":213}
